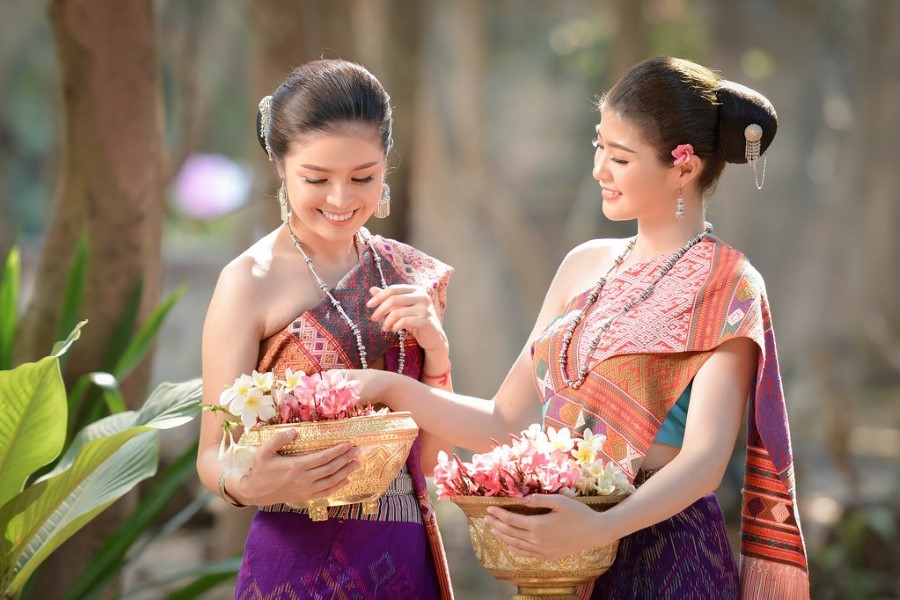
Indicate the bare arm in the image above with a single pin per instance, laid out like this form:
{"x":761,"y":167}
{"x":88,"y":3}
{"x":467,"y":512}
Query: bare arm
{"x":718,"y":398}
{"x":468,"y":421}
{"x":411,"y":308}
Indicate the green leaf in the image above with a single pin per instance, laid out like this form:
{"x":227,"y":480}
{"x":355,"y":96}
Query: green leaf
{"x":172,"y":404}
{"x":73,"y":294}
{"x":46,"y":514}
{"x":124,"y":330}
{"x":107,"y":562}
{"x":169,"y":405}
{"x":142,"y":341}
{"x":105,"y":427}
{"x":60,"y":348}
{"x":33,"y":425}
{"x":9,"y":305}
{"x":107,"y":382}
{"x":224,"y":572}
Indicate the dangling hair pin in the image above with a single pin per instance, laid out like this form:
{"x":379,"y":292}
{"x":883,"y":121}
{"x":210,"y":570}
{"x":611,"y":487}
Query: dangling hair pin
{"x":265,"y":118}
{"x":753,"y":135}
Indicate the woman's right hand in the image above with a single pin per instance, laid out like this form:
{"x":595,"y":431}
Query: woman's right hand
{"x":373,"y":385}
{"x":276,"y":479}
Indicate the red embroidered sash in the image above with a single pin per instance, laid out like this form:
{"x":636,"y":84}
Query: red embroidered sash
{"x":646,"y":360}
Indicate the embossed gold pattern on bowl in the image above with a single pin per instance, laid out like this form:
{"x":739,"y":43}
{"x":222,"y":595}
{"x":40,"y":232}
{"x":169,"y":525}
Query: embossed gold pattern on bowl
{"x":535,"y":578}
{"x":384,"y":440}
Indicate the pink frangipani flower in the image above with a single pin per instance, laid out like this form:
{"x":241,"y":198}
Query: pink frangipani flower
{"x":682,"y":154}
{"x":534,"y":462}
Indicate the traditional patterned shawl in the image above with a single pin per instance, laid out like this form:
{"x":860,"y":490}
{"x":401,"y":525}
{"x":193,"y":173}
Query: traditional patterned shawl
{"x":645,"y":361}
{"x":319,"y":339}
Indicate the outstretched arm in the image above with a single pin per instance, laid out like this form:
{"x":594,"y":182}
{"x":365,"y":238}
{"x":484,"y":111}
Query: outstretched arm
{"x":472,"y":422}
{"x":412,"y":309}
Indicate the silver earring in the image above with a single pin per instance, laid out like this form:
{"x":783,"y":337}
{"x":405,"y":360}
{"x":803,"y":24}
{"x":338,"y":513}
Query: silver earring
{"x":283,"y":202}
{"x":753,"y":135}
{"x":384,"y":203}
{"x":679,"y":208}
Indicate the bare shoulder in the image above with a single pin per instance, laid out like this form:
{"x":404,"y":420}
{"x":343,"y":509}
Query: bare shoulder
{"x":586,"y":262}
{"x":251,"y":267}
{"x":579,"y":270}
{"x":244,"y":282}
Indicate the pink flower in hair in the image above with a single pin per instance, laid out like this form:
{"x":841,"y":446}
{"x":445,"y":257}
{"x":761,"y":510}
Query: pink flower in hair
{"x":682,"y":154}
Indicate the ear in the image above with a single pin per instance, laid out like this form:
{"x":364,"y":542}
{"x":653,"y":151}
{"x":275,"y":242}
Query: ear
{"x":279,"y":168}
{"x":688,"y":172}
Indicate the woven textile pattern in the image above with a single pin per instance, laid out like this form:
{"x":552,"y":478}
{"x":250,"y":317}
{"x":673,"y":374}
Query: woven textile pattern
{"x":352,"y":555}
{"x":646,"y":360}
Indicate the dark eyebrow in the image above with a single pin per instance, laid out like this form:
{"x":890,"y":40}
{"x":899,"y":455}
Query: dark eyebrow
{"x":359,"y":168}
{"x":614,"y":144}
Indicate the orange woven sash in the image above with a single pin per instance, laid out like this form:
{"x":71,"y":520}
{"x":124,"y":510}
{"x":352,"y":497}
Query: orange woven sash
{"x":646,"y":360}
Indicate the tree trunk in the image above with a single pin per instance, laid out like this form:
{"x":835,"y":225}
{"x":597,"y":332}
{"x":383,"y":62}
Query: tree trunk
{"x":109,"y":188}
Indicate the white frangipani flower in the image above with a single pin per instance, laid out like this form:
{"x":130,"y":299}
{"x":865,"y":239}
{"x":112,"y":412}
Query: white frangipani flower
{"x":264,"y":381}
{"x":291,"y":379}
{"x":241,"y":387}
{"x":254,"y":406}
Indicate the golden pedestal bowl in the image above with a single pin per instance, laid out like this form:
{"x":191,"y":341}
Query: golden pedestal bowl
{"x":384,"y":440}
{"x":535,"y":578}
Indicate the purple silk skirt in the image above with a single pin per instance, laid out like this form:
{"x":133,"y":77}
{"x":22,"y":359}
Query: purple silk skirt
{"x":288,"y":556}
{"x":685,"y":557}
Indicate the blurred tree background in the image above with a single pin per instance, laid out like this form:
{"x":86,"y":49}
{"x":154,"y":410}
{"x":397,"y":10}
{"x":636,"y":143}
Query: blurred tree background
{"x":493,"y":121}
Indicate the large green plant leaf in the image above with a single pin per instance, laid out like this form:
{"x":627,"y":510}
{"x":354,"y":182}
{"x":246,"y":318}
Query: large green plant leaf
{"x":108,"y":561}
{"x":169,"y":405}
{"x":32,"y":426}
{"x":46,"y":514}
{"x":9,"y":305}
{"x":172,"y":404}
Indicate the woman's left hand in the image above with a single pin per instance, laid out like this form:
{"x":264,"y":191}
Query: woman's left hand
{"x":409,"y":307}
{"x":570,"y":527}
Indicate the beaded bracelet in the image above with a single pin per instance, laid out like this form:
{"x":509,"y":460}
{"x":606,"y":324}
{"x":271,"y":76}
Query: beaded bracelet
{"x":441,"y":379}
{"x":223,"y":493}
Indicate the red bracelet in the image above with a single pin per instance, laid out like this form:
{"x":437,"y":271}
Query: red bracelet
{"x":441,"y":379}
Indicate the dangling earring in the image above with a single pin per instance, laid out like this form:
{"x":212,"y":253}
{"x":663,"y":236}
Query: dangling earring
{"x":283,"y":202}
{"x":679,"y":208}
{"x":753,"y":135}
{"x":384,"y":203}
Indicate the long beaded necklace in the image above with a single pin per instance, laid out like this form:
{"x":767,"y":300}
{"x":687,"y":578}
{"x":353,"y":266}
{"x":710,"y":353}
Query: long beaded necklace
{"x":401,"y":360}
{"x":595,"y":295}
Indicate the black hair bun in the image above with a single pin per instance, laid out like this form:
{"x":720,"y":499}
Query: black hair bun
{"x":740,"y":106}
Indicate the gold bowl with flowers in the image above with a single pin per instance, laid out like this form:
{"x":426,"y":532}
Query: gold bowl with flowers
{"x":535,"y":578}
{"x":383,"y":439}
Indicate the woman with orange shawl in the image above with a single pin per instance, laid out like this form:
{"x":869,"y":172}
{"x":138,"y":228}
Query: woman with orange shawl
{"x":659,"y":342}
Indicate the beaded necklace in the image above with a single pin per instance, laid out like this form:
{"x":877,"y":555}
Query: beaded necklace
{"x":337,"y":305}
{"x":595,"y":295}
